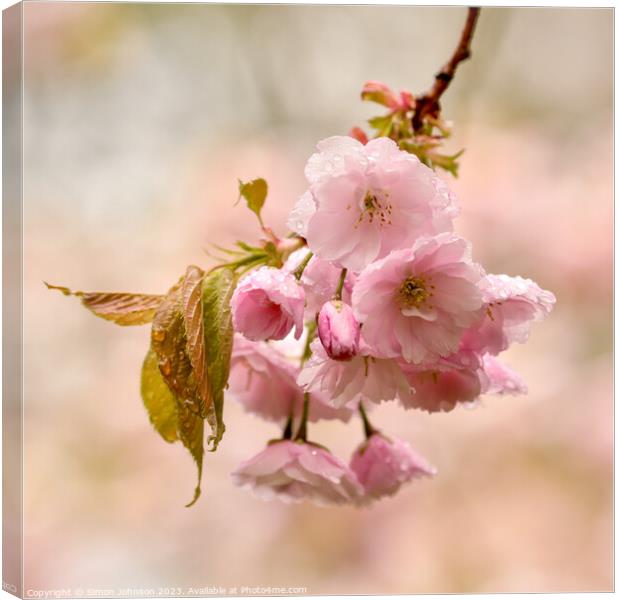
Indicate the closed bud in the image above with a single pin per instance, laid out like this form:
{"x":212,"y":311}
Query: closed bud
{"x":378,"y":92}
{"x":339,"y":330}
{"x":359,"y":135}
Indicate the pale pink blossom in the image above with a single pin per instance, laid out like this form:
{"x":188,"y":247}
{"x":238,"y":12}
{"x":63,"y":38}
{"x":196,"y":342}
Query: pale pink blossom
{"x":345,"y":383}
{"x":501,"y":379}
{"x":367,"y":200}
{"x":322,"y":409}
{"x":383,"y":465}
{"x":339,"y":330}
{"x":319,"y":280}
{"x":512,"y":305}
{"x":267,"y":304}
{"x":416,"y":303}
{"x":294,"y":471}
{"x":439,"y":387}
{"x":263,"y":380}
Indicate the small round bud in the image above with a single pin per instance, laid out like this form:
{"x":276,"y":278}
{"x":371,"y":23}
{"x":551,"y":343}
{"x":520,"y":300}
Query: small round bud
{"x":339,"y":330}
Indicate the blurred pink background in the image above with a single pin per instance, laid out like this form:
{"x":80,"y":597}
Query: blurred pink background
{"x":138,"y":121}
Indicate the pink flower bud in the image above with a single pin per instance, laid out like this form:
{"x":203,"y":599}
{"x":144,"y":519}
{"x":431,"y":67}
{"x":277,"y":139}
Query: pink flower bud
{"x":407,"y":101}
{"x":359,"y":134}
{"x":382,"y":466}
{"x":378,"y":92}
{"x":267,"y":304}
{"x":339,"y":330}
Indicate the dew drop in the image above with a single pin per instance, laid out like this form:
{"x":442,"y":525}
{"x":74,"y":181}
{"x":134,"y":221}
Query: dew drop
{"x":159,"y":335}
{"x":166,"y":367}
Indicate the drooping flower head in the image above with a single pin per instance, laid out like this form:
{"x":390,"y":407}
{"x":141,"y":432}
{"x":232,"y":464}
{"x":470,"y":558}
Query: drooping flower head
{"x":294,"y":471}
{"x":383,"y":465}
{"x":345,"y":383}
{"x":264,"y":381}
{"x":366,"y":200}
{"x":440,"y":386}
{"x":416,"y":303}
{"x":512,"y":304}
{"x":267,"y":304}
{"x":339,"y":330}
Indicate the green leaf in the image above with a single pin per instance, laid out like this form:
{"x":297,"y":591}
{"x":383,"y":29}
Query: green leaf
{"x":159,"y":401}
{"x":119,"y":307}
{"x":383,"y":124}
{"x":217,"y":289}
{"x":191,"y":300}
{"x":191,"y":431}
{"x":448,"y":163}
{"x":255,"y":194}
{"x":169,"y":342}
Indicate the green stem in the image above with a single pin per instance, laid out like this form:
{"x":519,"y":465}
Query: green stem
{"x":368,"y":428}
{"x":302,"y":431}
{"x":343,"y":276}
{"x":287,"y":434}
{"x":299,"y":271}
{"x":307,"y":353}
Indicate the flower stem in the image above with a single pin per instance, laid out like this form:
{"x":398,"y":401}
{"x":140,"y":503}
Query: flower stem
{"x":368,"y":428}
{"x":287,"y":434}
{"x":302,"y":431}
{"x":299,"y":271}
{"x":343,"y":276}
{"x":307,"y":353}
{"x":427,"y":105}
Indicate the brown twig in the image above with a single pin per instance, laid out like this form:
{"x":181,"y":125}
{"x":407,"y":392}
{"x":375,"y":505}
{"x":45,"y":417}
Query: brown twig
{"x":427,"y":105}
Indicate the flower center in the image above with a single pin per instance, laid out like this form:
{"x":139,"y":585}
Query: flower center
{"x":413,"y":292}
{"x":375,"y":209}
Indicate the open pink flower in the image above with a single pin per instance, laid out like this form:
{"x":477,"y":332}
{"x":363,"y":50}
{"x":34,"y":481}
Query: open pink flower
{"x":263,"y":380}
{"x":367,"y":200}
{"x":418,"y":302}
{"x":319,"y":280}
{"x":345,"y":383}
{"x":293,"y":472}
{"x":267,"y":304}
{"x":457,"y":379}
{"x":512,"y":305}
{"x":383,"y":465}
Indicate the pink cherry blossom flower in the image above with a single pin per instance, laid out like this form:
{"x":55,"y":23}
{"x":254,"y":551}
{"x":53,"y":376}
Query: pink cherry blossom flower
{"x":319,"y":280}
{"x":339,"y":330}
{"x":457,"y":379}
{"x":262,"y":379}
{"x":512,"y":305}
{"x":367,"y":200}
{"x":344,"y":384}
{"x":417,"y":302}
{"x":383,"y":465}
{"x":267,"y":304}
{"x":501,"y":379}
{"x":293,"y":472}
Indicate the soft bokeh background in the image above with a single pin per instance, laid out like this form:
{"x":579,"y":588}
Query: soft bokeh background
{"x":138,"y":121}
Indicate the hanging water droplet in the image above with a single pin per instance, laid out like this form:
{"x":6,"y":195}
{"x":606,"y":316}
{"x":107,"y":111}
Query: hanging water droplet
{"x":159,"y":335}
{"x":165,"y":366}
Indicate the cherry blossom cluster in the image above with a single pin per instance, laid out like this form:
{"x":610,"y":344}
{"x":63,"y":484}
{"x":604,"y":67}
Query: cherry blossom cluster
{"x":387,"y":305}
